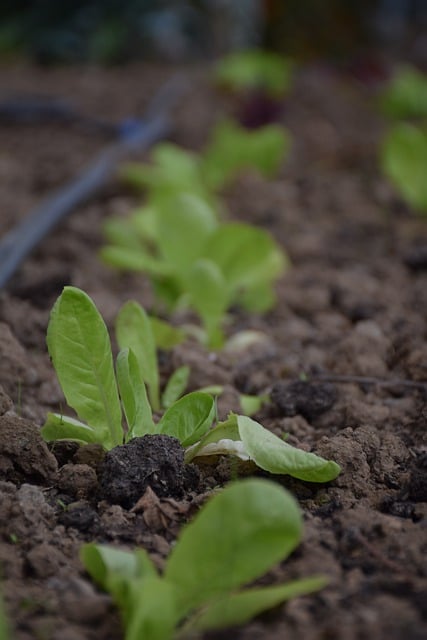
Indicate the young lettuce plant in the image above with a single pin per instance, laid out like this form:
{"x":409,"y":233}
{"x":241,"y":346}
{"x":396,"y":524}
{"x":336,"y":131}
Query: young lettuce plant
{"x":234,"y":149}
{"x":80,"y":349}
{"x":236,"y":537}
{"x":195,"y":261}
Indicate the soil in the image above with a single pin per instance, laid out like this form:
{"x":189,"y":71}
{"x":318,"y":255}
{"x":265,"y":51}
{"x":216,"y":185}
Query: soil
{"x":351,"y":317}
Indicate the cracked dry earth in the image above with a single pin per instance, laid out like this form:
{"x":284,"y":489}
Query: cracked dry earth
{"x":351,"y":315}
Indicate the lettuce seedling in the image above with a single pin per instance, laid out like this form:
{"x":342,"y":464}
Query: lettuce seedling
{"x":197,"y":262}
{"x":406,"y":95}
{"x":404,"y":162}
{"x":255,"y":70}
{"x":80,"y":349}
{"x":239,"y":535}
{"x":233,"y":149}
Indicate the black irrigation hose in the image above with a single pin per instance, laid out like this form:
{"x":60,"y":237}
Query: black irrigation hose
{"x":134,"y":135}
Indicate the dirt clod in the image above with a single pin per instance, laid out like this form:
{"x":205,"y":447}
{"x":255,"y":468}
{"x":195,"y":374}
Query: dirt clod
{"x":155,"y":461}
{"x":304,"y":398}
{"x":23,"y":453}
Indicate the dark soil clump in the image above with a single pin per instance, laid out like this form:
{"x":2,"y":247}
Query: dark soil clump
{"x":155,"y":461}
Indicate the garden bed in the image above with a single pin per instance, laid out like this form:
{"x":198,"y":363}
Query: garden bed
{"x":351,"y":316}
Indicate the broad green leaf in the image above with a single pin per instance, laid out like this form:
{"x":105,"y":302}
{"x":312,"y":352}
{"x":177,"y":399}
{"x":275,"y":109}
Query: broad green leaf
{"x":134,"y":395}
{"x":189,"y":418}
{"x":209,"y":296}
{"x":247,"y":256}
{"x":80,"y":349}
{"x":154,"y":614}
{"x":59,"y":427}
{"x":237,"y":608}
{"x":238,"y":536}
{"x":184,"y":222}
{"x":404,"y":161}
{"x":272,"y":454}
{"x":166,"y":336}
{"x":176,"y":386}
{"x":255,"y":69}
{"x":133,"y":331}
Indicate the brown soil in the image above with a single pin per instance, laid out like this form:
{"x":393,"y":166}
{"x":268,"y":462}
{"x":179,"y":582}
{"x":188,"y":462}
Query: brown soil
{"x":353,"y":306}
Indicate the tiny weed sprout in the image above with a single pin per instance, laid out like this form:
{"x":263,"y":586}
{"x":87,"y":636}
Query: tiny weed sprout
{"x":255,"y":70}
{"x":406,"y":95}
{"x":80,"y":349}
{"x":239,"y":535}
{"x":404,"y":162}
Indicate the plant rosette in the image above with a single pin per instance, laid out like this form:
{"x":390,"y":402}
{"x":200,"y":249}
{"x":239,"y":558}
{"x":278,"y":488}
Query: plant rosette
{"x":101,"y":395}
{"x":236,"y":537}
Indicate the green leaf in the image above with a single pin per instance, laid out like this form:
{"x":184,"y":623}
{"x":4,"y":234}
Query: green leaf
{"x":255,"y":69}
{"x":176,"y":386}
{"x":237,"y":608}
{"x":119,"y":232}
{"x":272,"y":454}
{"x":406,"y":95}
{"x":132,"y":259}
{"x":80,"y":349}
{"x":115,"y":571}
{"x":233,"y":149}
{"x":166,"y":336}
{"x":252,"y":404}
{"x":184,"y":221}
{"x":224,"y":432}
{"x":59,"y":427}
{"x":247,"y":256}
{"x":133,"y":331}
{"x":153,"y":615}
{"x":134,"y":395}
{"x":209,"y":295}
{"x":102,"y":562}
{"x":238,"y":536}
{"x":189,"y":418}
{"x":404,"y":161}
